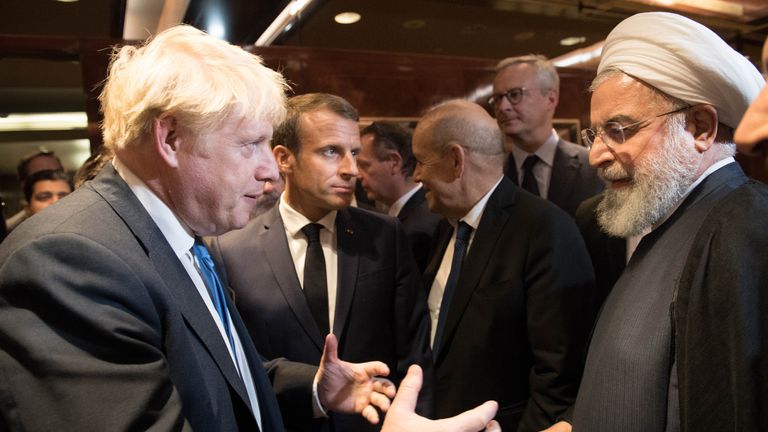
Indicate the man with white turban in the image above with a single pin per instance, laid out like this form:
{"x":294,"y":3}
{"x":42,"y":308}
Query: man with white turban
{"x":681,"y":342}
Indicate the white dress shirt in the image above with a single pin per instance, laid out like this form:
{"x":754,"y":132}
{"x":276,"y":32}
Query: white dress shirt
{"x":472,"y":218}
{"x":293,"y":222}
{"x":181,"y":241}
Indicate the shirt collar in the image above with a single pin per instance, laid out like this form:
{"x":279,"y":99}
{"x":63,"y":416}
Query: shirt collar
{"x":180,"y":238}
{"x":293,"y":221}
{"x":473,"y":216}
{"x":546,"y":152}
{"x":395,"y":208}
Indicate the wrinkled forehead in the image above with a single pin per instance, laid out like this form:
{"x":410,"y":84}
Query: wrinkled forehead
{"x":621,"y":96}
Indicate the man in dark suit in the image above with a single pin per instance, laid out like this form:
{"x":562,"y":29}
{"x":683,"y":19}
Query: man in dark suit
{"x":512,"y":324}
{"x":681,"y":342}
{"x":526,"y":90}
{"x":386,"y":172}
{"x":111,"y":314}
{"x":367,"y":289}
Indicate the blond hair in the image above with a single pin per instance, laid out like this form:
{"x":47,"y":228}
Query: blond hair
{"x":199,"y":79}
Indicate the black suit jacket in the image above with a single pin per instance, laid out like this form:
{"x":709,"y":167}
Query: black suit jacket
{"x":381,"y":311}
{"x":573,"y":179}
{"x":608,"y":253}
{"x":420,"y":226}
{"x":517,"y":326}
{"x":102,"y":328}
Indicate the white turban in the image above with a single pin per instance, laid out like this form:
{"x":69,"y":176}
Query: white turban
{"x":683,"y":59}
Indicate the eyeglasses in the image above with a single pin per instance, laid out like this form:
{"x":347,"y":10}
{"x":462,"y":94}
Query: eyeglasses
{"x":615,"y":133}
{"x":514,"y":96}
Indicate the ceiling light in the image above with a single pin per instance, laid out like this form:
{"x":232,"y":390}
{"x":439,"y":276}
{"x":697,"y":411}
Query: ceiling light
{"x":44,"y":121}
{"x":67,"y":1}
{"x":573,"y":40}
{"x":283,"y":21}
{"x":347,"y":18}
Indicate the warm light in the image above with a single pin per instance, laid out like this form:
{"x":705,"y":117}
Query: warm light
{"x":67,"y":1}
{"x":44,"y":121}
{"x":347,"y":18}
{"x":283,"y":21}
{"x":573,"y":40}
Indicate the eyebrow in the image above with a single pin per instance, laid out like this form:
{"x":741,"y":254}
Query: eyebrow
{"x":617,"y":118}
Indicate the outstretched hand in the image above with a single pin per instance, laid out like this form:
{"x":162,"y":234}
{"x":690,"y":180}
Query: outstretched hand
{"x":402,"y":418}
{"x":352,"y":388}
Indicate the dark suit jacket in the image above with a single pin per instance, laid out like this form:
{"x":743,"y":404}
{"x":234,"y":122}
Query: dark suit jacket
{"x":381,"y":312}
{"x":102,"y":328}
{"x":420,"y":226}
{"x":517,"y":326}
{"x":573,"y":179}
{"x":608,"y":253}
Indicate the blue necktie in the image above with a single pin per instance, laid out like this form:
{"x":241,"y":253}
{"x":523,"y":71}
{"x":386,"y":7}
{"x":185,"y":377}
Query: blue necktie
{"x":212,"y":282}
{"x":463,"y":232}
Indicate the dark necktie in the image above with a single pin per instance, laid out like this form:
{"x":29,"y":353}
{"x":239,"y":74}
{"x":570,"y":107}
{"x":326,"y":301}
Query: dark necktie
{"x":463,"y":232}
{"x":315,"y":285}
{"x":529,"y":180}
{"x":216,"y":291}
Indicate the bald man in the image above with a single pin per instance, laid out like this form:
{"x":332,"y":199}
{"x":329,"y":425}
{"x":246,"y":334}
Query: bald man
{"x":681,"y":341}
{"x":511,"y":287}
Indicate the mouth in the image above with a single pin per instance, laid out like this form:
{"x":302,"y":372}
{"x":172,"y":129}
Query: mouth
{"x":343,"y":189}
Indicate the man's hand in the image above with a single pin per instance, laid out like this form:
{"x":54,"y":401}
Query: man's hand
{"x":352,"y":388}
{"x":561,"y":426}
{"x":402,"y":418}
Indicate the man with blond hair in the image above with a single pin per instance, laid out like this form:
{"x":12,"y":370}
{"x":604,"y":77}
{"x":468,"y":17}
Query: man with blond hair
{"x":112,"y":315}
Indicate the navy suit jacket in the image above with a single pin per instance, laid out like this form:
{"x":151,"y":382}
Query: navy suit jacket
{"x":517,"y":326}
{"x":420,"y":226}
{"x":573,"y":179}
{"x":102,"y":328}
{"x":381,"y":311}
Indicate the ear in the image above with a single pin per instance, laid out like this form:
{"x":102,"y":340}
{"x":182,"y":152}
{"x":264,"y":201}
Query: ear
{"x":284,"y":159}
{"x":166,"y":139}
{"x":396,"y":160}
{"x":704,"y":126}
{"x":458,"y":157}
{"x":553,"y":96}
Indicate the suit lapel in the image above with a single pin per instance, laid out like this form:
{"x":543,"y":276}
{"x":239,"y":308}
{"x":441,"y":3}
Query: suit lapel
{"x":284,"y":271}
{"x":565,"y":169}
{"x":494,"y":219}
{"x":411,"y":205}
{"x":348,"y":243}
{"x":117,"y":193}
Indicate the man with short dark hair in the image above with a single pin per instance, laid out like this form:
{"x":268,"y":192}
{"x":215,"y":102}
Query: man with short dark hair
{"x":314,"y":265}
{"x":44,"y":188}
{"x":386,"y":173}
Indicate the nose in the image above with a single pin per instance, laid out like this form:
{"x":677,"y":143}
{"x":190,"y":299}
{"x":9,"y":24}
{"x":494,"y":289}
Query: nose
{"x":266,"y":169}
{"x":600,"y":153}
{"x":417,"y":173}
{"x":348,"y":167}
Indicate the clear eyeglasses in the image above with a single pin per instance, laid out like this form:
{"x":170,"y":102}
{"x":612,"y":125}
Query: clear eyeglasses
{"x":613,"y":133}
{"x":514,"y":96}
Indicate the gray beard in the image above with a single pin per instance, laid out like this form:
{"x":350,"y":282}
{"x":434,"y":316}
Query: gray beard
{"x":658,"y":183}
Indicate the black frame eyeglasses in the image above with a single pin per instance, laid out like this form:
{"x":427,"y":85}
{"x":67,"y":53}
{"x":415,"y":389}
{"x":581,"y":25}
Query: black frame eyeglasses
{"x":612,"y":133}
{"x":514,"y":96}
